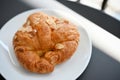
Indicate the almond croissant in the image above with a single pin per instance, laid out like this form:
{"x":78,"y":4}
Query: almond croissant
{"x":45,"y":41}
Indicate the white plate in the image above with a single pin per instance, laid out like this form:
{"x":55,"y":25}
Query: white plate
{"x":68,"y":70}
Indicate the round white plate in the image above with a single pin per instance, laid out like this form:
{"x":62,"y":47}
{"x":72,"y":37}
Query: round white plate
{"x":69,"y":70}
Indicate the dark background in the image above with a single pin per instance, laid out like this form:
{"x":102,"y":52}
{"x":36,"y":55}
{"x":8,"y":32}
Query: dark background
{"x":101,"y":66}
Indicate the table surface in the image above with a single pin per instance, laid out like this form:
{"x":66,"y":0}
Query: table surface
{"x":101,"y":66}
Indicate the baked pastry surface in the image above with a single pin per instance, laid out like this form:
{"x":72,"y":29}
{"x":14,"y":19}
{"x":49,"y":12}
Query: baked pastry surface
{"x":45,"y":41}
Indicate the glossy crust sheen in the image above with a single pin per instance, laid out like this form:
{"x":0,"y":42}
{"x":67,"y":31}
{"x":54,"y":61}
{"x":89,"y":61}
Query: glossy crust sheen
{"x":45,"y":41}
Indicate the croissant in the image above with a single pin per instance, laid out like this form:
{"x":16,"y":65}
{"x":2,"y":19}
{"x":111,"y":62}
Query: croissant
{"x":45,"y":41}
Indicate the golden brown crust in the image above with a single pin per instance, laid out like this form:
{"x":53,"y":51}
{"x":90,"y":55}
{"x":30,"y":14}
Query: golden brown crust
{"x":45,"y":41}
